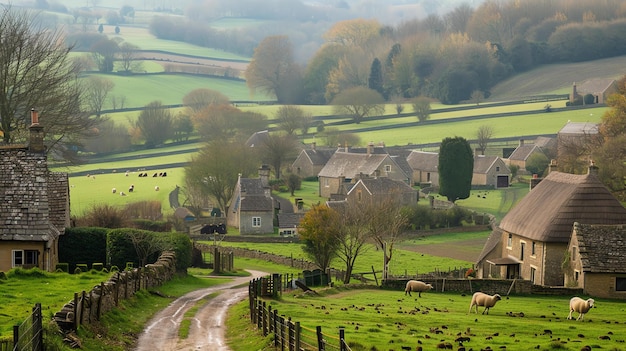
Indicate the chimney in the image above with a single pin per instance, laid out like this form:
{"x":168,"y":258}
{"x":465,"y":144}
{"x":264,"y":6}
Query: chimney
{"x":313,"y":145}
{"x":521,"y":142}
{"x":264,"y":174}
{"x":593,"y":169}
{"x":36,"y":133}
{"x":552,"y":167}
{"x":370,"y":148}
{"x":345,"y":145}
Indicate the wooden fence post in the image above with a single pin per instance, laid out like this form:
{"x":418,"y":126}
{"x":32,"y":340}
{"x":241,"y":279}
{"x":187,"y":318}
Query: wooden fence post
{"x":117,"y":288}
{"x":291,"y":335}
{"x":37,"y":328}
{"x":75,"y":311}
{"x":342,"y":343}
{"x":275,"y":322}
{"x":320,"y":339}
{"x":264,"y":325}
{"x":297,"y":336}
{"x":82,"y":307}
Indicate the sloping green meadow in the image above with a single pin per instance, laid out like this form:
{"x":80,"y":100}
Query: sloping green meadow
{"x":375,"y":319}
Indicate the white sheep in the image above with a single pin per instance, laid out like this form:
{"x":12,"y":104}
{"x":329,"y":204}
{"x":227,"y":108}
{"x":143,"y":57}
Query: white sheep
{"x":485,"y":300}
{"x":113,"y":190}
{"x":416,"y":285}
{"x":576,"y":304}
{"x":122,"y":193}
{"x":156,"y":188}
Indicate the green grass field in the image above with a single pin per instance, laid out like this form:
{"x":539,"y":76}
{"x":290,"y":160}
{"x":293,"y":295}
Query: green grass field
{"x":97,"y":189}
{"x":376,"y":319}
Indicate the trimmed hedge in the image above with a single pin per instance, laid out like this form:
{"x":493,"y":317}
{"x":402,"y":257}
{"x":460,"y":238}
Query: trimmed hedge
{"x":82,"y":245}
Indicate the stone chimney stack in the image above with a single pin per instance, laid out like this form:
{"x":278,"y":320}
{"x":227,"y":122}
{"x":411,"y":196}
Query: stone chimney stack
{"x":521,"y":142}
{"x":370,"y":148}
{"x":36,"y":133}
{"x":552,"y":167}
{"x":313,"y":144}
{"x":264,"y":174}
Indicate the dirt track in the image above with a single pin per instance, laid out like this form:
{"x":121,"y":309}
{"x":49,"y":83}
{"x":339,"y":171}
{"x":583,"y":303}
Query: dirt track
{"x":206,"y":332}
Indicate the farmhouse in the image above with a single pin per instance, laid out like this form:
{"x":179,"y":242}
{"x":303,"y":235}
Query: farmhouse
{"x":345,"y":166}
{"x":572,"y":136}
{"x":531,"y":240}
{"x":35,"y":207}
{"x":596,"y":260}
{"x":252,"y":206}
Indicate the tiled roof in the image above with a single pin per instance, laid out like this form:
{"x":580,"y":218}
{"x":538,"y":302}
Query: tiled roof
{"x":482,"y":163}
{"x":252,"y":186}
{"x":595,"y":86}
{"x":548,"y":212}
{"x":522,"y":152}
{"x":289,"y":220}
{"x":579,"y":128}
{"x":25,"y":184}
{"x":319,"y":157}
{"x":350,"y":165}
{"x":602,"y":248}
{"x":384,"y":185}
{"x":423,"y":160}
{"x":257,"y":203}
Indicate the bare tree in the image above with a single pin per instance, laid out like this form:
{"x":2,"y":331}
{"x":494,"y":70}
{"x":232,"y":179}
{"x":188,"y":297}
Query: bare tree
{"x":354,"y":236}
{"x":127,"y":53}
{"x":477,"y":97}
{"x":483,"y":136}
{"x":290,"y":118}
{"x":97,"y":90}
{"x":197,"y":99}
{"x":278,"y":149}
{"x":37,"y":72}
{"x":387,"y":225}
{"x":146,"y":243}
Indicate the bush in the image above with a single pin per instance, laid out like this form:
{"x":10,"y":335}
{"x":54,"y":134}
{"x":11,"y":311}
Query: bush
{"x":82,"y":267}
{"x":63,"y":267}
{"x":82,"y":245}
{"x":97,"y":266}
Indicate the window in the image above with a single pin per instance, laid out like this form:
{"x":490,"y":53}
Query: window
{"x":497,"y":168}
{"x":620,"y":283}
{"x":533,"y":273}
{"x":574,"y":253}
{"x":533,"y":249}
{"x":521,"y":250}
{"x":428,"y":177}
{"x":359,"y":195}
{"x":387,"y":168}
{"x":509,"y":243}
{"x":25,"y":258}
{"x":576,"y":274}
{"x":256,"y":221}
{"x":326,"y":182}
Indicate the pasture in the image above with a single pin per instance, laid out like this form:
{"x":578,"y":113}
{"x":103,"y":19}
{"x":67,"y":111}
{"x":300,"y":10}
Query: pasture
{"x":86,"y":191}
{"x":376,"y":319}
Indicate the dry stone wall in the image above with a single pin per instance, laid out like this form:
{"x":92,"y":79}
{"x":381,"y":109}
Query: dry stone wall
{"x":87,"y":307}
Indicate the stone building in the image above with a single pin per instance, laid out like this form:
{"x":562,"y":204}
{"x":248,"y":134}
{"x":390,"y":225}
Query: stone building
{"x":34,"y":206}
{"x":252,"y":206}
{"x":596,"y":260}
{"x":531,"y":240}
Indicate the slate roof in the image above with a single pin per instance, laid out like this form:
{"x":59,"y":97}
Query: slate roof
{"x":549,"y":211}
{"x":595,"y":85}
{"x":317,"y":156}
{"x":602,"y":248}
{"x":522,"y":152}
{"x":545,"y":142}
{"x":492,"y":242}
{"x":383,"y":185}
{"x":257,"y":139}
{"x":423,"y":160}
{"x":581,"y":128}
{"x":289,"y":220}
{"x":25,"y":208}
{"x":350,"y":165}
{"x":252,"y":186}
{"x":482,"y":163}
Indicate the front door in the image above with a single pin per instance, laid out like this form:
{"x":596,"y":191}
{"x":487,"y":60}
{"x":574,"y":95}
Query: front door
{"x":512,"y":271}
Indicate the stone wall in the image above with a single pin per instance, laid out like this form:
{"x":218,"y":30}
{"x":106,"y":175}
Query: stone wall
{"x":87,"y":307}
{"x":259,"y":255}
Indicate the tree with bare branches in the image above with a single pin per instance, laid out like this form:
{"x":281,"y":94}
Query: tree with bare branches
{"x":386,"y":225}
{"x":37,"y":72}
{"x":483,"y":136}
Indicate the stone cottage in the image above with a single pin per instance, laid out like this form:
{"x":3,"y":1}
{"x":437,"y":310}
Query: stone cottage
{"x":252,"y":206}
{"x":596,"y":260}
{"x":35,"y":206}
{"x":531,"y":240}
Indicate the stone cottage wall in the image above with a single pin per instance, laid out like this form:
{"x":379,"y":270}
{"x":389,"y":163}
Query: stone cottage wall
{"x":87,"y":307}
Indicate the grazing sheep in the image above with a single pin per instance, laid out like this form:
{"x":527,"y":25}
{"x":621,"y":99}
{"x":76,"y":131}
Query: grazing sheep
{"x":156,"y":188}
{"x":482,"y":299}
{"x":113,"y":190}
{"x":122,"y":193}
{"x":576,"y":304}
{"x":416,"y":285}
{"x":131,"y":188}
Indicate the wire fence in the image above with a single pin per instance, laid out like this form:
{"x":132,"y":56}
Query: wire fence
{"x":29,"y":334}
{"x":288,"y":334}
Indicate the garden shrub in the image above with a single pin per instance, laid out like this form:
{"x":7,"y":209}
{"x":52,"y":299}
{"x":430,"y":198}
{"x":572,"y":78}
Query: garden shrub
{"x":63,"y":267}
{"x":97,"y":266}
{"x":82,"y":267}
{"x":82,"y":245}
